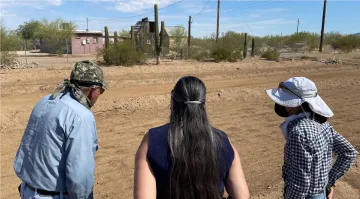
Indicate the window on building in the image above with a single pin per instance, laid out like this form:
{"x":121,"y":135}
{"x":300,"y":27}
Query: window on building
{"x":95,"y":40}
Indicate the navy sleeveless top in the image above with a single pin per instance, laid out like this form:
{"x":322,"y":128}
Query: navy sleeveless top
{"x":159,"y":157}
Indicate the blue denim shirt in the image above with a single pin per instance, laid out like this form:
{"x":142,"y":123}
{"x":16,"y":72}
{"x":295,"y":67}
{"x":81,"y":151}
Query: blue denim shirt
{"x":58,"y":147}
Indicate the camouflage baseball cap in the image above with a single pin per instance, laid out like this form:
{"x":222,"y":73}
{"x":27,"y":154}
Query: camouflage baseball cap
{"x":87,"y":71}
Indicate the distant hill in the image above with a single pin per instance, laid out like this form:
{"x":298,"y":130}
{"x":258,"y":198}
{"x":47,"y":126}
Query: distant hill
{"x":357,"y":34}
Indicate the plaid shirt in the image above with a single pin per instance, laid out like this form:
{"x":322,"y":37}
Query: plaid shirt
{"x":307,"y":158}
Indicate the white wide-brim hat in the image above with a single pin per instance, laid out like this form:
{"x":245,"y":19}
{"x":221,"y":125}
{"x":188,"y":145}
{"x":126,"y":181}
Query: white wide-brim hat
{"x":297,"y":90}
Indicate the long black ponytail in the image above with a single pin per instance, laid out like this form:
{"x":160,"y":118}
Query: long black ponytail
{"x":193,"y":144}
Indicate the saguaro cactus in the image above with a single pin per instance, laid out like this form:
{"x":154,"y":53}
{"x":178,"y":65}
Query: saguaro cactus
{"x":107,"y":40}
{"x":245,"y":46}
{"x":107,"y":45}
{"x":162,"y":37}
{"x":133,"y":37}
{"x":253,"y":47}
{"x":116,"y":38}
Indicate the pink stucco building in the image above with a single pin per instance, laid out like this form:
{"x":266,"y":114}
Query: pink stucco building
{"x":87,"y":42}
{"x":83,"y":43}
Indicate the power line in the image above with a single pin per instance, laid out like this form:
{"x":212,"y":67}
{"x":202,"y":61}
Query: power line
{"x":139,"y":15}
{"x":251,"y":4}
{"x":247,"y":24}
{"x":254,"y":5}
{"x":249,"y":28}
{"x":268,"y":3}
{"x":114,"y":19}
{"x":201,"y":9}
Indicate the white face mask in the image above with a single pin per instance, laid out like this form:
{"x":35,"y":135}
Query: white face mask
{"x":284,"y":125}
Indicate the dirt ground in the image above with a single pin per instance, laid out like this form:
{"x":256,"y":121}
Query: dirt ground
{"x":139,"y":100}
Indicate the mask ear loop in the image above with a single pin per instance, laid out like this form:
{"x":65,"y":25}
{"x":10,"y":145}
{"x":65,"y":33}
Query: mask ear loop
{"x":305,"y":112}
{"x":313,"y":116}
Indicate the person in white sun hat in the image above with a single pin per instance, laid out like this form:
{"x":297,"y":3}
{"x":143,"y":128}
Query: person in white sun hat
{"x":310,"y":141}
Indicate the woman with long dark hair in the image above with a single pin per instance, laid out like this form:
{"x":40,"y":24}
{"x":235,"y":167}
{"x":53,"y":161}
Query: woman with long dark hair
{"x":188,"y":158}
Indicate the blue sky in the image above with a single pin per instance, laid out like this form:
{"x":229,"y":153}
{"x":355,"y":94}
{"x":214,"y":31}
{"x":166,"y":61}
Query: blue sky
{"x":255,"y":17}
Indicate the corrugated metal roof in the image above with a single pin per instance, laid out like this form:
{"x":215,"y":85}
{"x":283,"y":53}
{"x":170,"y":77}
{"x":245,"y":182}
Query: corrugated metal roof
{"x":111,"y":33}
{"x":89,"y":32}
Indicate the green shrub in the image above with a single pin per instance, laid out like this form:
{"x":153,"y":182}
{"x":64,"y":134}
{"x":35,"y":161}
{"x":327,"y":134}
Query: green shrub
{"x":333,"y":39}
{"x":273,"y":41}
{"x":205,"y":43}
{"x":200,"y":55}
{"x":235,"y":41}
{"x":313,"y":43}
{"x":124,"y":54}
{"x":348,"y":43}
{"x":59,"y":52}
{"x":235,"y":56}
{"x":9,"y":43}
{"x":271,"y":54}
{"x":7,"y":58}
{"x":344,"y":43}
{"x":228,"y":48}
{"x":232,"y":58}
{"x":220,"y":54}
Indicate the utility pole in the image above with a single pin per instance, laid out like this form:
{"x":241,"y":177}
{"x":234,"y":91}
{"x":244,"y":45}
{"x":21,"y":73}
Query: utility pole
{"x":67,"y":51}
{"x":297,"y":28}
{"x":189,"y":37}
{"x":25,"y":51}
{"x":217,"y":24}
{"x":63,"y":27}
{"x":322,"y":27}
{"x":87,"y":35}
{"x":156,"y":34}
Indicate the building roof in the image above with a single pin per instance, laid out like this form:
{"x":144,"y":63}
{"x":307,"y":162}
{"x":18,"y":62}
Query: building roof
{"x":111,"y":33}
{"x":89,"y":32}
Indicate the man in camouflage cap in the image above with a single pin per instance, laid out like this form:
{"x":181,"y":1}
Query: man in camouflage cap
{"x":85,"y":77}
{"x":87,"y":71}
{"x":56,"y":155}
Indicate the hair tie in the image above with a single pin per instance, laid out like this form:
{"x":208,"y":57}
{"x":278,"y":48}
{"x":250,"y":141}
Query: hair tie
{"x":193,"y":102}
